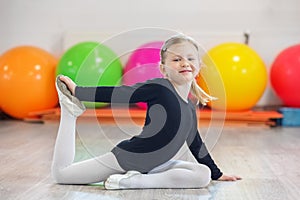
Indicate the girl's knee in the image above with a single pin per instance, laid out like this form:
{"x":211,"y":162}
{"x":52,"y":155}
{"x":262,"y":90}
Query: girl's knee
{"x":58,"y":176}
{"x":204,"y":174}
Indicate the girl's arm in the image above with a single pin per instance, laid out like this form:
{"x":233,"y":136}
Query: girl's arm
{"x":141,"y":92}
{"x":116,"y":94}
{"x":202,"y":155}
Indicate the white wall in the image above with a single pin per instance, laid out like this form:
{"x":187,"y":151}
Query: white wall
{"x":274,"y":24}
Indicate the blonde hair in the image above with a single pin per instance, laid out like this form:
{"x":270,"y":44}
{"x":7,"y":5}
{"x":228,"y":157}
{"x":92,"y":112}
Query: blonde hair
{"x":196,"y":90}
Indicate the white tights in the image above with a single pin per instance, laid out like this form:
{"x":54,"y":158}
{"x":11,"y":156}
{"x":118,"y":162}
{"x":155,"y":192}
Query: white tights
{"x":172,"y":174}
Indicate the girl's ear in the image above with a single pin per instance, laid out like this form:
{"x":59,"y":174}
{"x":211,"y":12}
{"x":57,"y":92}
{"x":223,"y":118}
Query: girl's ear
{"x":162,"y":69}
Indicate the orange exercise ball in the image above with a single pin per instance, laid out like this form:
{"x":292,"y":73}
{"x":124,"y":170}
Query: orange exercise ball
{"x":27,"y":77}
{"x":235,"y":74}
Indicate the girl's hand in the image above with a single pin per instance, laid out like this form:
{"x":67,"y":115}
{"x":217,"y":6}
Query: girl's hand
{"x":229,"y":178}
{"x":70,"y":84}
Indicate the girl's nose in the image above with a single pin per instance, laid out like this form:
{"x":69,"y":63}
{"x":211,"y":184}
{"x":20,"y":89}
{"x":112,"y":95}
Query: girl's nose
{"x":185,"y":63}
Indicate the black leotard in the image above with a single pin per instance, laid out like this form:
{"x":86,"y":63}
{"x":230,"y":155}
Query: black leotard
{"x":170,"y":121}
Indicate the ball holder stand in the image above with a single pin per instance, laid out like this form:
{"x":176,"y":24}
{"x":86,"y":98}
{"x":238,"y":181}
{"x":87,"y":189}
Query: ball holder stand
{"x":291,"y":116}
{"x":206,"y":117}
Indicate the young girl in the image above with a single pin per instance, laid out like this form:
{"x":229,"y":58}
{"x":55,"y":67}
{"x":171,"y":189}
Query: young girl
{"x":145,"y":160}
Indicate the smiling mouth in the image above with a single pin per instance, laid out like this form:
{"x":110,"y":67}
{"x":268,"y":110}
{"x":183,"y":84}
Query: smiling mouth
{"x":183,"y":71}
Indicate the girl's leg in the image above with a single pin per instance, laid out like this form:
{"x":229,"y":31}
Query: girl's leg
{"x":64,"y":171}
{"x":175,"y":174}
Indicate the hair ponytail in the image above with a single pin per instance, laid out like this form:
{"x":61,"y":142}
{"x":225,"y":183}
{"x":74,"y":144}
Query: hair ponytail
{"x":200,"y":94}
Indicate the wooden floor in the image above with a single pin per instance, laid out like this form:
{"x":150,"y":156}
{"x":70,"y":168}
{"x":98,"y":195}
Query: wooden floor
{"x":268,"y":159}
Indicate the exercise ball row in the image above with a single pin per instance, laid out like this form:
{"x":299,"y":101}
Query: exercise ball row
{"x":234,"y":73}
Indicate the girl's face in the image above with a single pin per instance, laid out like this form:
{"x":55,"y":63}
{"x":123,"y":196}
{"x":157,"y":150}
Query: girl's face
{"x":181,"y":64}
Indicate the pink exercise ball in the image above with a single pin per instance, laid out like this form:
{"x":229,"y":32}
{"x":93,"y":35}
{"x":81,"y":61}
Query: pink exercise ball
{"x":285,"y":73}
{"x":142,"y":65}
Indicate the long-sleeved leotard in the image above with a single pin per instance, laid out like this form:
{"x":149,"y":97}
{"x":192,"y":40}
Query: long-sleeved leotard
{"x":170,"y":121}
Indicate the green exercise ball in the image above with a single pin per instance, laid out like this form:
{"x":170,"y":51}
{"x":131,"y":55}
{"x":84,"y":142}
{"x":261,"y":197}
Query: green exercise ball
{"x":91,"y":64}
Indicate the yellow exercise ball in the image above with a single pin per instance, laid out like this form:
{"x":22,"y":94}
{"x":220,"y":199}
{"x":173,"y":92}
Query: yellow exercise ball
{"x":235,"y":74}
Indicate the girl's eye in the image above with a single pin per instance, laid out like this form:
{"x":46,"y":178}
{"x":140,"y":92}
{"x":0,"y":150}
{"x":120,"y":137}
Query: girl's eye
{"x":191,"y":59}
{"x":176,"y":59}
